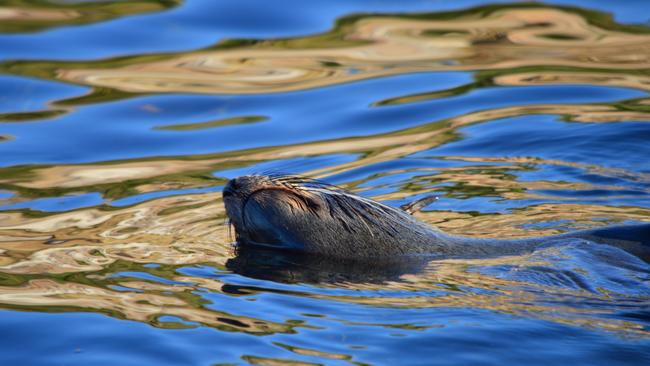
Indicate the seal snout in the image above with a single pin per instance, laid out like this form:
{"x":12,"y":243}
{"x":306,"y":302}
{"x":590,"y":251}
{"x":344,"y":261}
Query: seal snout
{"x":232,"y":187}
{"x":235,"y":196}
{"x":229,"y":189}
{"x":243,"y":186}
{"x":258,"y":209}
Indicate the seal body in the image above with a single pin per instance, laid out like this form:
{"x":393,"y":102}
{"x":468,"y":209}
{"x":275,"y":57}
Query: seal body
{"x":308,"y":216}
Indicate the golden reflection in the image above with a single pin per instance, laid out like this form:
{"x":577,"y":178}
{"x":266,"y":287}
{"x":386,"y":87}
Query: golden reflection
{"x":37,"y":15}
{"x":267,"y":361}
{"x":42,"y":15}
{"x":145,"y":307}
{"x":448,"y":283}
{"x":187,"y":230}
{"x":620,"y":80}
{"x":72,"y":260}
{"x":513,"y":225}
{"x":183,"y":172}
{"x":313,"y":352}
{"x":212,"y":124}
{"x":71,"y":176}
{"x":362,"y":47}
{"x":90,"y":239}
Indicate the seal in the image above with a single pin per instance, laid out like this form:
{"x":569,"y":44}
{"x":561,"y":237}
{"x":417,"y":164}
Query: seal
{"x":312,"y":217}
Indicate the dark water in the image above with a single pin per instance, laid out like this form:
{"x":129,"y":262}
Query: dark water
{"x":120,"y":121}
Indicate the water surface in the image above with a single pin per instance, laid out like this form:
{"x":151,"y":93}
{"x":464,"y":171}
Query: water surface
{"x":120,"y":122}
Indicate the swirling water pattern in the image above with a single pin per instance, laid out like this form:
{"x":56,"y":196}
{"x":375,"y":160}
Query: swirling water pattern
{"x":121,"y":121}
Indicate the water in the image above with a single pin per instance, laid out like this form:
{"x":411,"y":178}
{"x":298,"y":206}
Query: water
{"x":121,"y":121}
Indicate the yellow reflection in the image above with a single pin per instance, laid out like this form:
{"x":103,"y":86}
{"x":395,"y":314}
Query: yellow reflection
{"x":362,"y":47}
{"x":373,"y":149}
{"x":91,"y":243}
{"x":158,"y":231}
{"x":37,"y":15}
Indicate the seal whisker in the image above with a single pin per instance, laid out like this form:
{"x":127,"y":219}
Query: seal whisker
{"x":230,"y":227}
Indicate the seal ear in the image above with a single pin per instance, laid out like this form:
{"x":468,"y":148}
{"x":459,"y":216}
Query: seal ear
{"x":417,"y":205}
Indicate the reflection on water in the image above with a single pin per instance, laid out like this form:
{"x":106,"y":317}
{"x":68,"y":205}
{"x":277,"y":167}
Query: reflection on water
{"x":523,"y":44}
{"x":525,"y":119}
{"x":21,"y":16}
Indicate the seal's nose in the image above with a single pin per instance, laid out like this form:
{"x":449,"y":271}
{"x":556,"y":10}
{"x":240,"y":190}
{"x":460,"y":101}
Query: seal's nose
{"x":230,"y":189}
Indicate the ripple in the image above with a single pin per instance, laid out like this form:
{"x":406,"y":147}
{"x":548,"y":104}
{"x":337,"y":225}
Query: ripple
{"x":368,"y":46}
{"x":121,"y":122}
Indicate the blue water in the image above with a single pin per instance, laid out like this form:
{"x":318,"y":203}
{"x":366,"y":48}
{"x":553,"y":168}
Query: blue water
{"x":120,"y":122}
